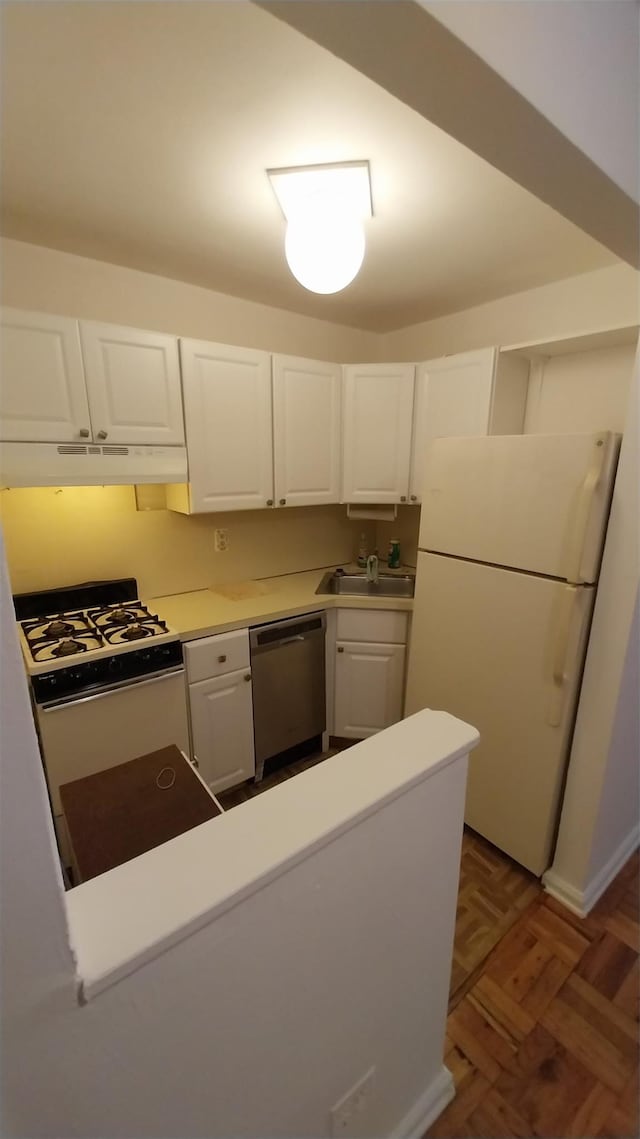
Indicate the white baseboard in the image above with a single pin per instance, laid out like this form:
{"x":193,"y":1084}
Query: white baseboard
{"x":582,"y":901}
{"x":427,"y":1107}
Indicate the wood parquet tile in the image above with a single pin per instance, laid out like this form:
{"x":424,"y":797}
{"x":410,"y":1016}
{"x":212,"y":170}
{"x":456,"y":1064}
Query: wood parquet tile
{"x":543,"y":1038}
{"x":493,"y":891}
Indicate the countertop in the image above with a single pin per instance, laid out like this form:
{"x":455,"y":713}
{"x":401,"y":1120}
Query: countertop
{"x":241,"y":604}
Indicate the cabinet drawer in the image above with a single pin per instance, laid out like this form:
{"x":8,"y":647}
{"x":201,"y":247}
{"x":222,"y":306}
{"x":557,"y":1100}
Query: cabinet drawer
{"x":385,"y":626}
{"x":213,"y":656}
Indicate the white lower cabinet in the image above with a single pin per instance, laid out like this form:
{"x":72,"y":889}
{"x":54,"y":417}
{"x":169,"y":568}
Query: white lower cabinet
{"x":222,"y":729}
{"x":221,"y":708}
{"x":370,"y":652}
{"x":369,"y":684}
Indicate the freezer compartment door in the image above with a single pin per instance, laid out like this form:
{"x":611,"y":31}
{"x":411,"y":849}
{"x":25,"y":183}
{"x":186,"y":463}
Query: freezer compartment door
{"x":538,"y":503}
{"x":503,"y":651}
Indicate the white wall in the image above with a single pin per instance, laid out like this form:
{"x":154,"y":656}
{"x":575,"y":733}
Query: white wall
{"x":606,"y":298}
{"x":599,"y":824}
{"x":46,"y":280}
{"x":256,"y":1024}
{"x":575,"y":62}
{"x":582,"y":391}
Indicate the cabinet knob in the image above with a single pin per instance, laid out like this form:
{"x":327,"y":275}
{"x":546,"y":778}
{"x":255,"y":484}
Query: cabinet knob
{"x":247,"y":676}
{"x":102,"y":434}
{"x":283,"y":502}
{"x":269,"y":502}
{"x":195,"y":762}
{"x":414,"y":498}
{"x":403,"y":498}
{"x":84,"y":433}
{"x":222,"y":659}
{"x":340,"y":649}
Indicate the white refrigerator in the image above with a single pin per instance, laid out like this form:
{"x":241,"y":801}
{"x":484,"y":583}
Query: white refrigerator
{"x":511,"y":535}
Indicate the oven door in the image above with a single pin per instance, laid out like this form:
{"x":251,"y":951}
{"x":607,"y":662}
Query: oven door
{"x":80,"y":737}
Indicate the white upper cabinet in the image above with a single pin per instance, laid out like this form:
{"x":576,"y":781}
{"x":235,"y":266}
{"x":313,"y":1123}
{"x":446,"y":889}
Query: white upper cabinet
{"x":306,"y":431}
{"x":133,"y":383}
{"x":227,"y":404}
{"x":42,"y":389}
{"x":474,"y":393}
{"x":378,"y":405}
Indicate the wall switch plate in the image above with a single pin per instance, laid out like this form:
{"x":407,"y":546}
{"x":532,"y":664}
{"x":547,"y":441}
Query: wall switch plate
{"x":221,"y":539}
{"x":351,"y":1114}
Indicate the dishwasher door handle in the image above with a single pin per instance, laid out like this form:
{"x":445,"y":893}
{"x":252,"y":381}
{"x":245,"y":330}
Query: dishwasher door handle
{"x":288,"y":640}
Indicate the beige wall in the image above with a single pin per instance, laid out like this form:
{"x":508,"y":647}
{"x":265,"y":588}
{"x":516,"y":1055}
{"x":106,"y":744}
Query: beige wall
{"x":63,"y":535}
{"x":46,"y":280}
{"x":607,"y":298}
{"x":405,"y":529}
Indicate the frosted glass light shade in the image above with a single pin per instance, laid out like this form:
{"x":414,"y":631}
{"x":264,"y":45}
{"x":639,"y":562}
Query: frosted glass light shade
{"x":324,"y":247}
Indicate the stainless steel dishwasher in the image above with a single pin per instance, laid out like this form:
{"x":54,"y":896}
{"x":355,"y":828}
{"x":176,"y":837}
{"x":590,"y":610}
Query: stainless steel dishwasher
{"x":288,"y":675}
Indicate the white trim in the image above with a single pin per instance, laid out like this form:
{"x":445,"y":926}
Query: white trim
{"x":581,"y":902}
{"x":427,"y":1107}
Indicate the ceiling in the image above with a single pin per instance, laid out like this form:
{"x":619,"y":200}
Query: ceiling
{"x":140,"y":134}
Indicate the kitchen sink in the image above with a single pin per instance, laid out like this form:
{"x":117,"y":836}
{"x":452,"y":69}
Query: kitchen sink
{"x":356,"y":584}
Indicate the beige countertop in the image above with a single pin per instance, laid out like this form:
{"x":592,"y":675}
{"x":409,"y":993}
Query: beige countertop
{"x":240,"y":604}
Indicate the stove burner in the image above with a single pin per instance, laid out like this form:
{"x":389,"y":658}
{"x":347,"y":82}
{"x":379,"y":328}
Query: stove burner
{"x":68,"y":648}
{"x":58,"y":629}
{"x":136,"y":632}
{"x":120,"y":617}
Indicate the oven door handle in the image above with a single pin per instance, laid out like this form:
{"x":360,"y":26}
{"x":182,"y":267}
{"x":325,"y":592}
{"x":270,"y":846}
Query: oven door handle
{"x":154,"y":678}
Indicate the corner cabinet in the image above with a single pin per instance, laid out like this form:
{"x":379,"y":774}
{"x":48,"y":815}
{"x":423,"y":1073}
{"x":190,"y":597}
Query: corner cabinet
{"x":473,"y":393}
{"x":378,"y":408}
{"x":67,"y":381}
{"x":306,"y":431}
{"x":227,"y":407}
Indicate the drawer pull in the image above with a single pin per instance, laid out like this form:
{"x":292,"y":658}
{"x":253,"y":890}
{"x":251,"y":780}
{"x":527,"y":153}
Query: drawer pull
{"x":414,"y":498}
{"x":269,"y":502}
{"x":247,"y":676}
{"x":403,"y":498}
{"x":283,"y":502}
{"x":222,"y":658}
{"x":102,"y":434}
{"x":340,"y":649}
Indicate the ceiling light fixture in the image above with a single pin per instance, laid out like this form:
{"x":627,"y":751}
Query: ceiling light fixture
{"x":325,"y":208}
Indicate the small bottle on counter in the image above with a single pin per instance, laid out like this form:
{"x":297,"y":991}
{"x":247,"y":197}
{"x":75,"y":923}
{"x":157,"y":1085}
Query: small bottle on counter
{"x":362,"y":551}
{"x":393,"y":559}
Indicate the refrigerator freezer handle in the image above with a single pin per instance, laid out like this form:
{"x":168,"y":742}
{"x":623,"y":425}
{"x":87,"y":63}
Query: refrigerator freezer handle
{"x":560,"y":677}
{"x":580,"y":521}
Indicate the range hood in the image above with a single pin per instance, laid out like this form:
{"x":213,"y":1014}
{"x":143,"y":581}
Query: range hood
{"x":78,"y":464}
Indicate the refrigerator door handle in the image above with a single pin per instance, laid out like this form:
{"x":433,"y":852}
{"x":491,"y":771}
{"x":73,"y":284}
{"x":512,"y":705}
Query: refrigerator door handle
{"x":582,"y":515}
{"x":560,"y":677}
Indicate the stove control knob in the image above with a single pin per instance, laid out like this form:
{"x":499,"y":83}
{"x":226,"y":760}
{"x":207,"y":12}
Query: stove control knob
{"x":115,"y":665}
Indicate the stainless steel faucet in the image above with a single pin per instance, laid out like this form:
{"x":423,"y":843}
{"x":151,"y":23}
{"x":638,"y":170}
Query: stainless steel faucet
{"x":372,"y":568}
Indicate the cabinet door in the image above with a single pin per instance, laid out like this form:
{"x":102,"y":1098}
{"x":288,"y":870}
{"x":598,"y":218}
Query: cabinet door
{"x":222,"y":729}
{"x":369,"y":680}
{"x":227,"y":402}
{"x":378,"y":405}
{"x":306,"y":431}
{"x":453,"y":397}
{"x":133,"y":382}
{"x":42,"y":394}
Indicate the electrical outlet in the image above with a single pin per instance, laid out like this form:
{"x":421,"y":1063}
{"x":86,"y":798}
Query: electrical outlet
{"x":348,"y":1115}
{"x":221,"y":539}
